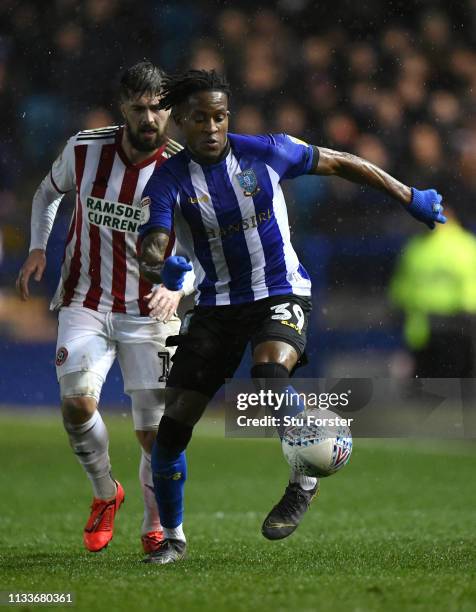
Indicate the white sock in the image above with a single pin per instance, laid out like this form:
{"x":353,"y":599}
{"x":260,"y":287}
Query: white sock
{"x":151,"y":520}
{"x":175,"y":534}
{"x":306,"y":482}
{"x":90,"y":444}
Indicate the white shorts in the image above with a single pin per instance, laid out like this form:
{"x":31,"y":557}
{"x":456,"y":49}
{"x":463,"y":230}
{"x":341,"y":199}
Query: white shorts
{"x":90,"y":341}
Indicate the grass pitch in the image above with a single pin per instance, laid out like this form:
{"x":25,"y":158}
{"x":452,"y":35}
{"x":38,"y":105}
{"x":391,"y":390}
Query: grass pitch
{"x":394,"y":531}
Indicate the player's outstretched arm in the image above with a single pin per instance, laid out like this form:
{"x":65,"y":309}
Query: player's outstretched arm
{"x":359,"y":170}
{"x":423,"y":205}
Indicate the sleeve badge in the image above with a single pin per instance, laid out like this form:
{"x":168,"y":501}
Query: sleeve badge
{"x":144,"y":210}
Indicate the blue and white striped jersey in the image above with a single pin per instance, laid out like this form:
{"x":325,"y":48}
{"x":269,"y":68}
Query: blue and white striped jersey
{"x":231,"y":219}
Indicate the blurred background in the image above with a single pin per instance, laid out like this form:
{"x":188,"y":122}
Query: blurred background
{"x":394,"y":82}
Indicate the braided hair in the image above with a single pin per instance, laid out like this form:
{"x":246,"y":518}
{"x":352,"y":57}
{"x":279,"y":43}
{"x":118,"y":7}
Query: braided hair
{"x":177,"y":88}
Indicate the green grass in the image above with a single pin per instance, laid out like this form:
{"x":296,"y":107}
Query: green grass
{"x":395,"y":530}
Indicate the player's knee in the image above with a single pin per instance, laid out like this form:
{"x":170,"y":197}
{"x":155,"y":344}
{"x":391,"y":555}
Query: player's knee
{"x":172,"y":437}
{"x":80,"y":393}
{"x":269,"y":370}
{"x":146,"y":439}
{"x":77,"y":410}
{"x":274,"y":376}
{"x":276,"y":352}
{"x":184,"y":405}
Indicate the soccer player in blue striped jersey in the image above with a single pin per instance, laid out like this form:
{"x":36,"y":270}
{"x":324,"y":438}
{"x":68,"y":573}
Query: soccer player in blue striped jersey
{"x":222,"y":196}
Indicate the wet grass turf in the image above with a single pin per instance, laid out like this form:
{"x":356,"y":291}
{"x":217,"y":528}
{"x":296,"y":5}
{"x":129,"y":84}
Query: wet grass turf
{"x":395,"y":530}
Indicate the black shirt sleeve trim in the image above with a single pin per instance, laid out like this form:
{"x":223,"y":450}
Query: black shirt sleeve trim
{"x":315,"y":159}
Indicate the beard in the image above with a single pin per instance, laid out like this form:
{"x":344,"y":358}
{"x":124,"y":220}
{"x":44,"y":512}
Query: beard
{"x":140,"y":144}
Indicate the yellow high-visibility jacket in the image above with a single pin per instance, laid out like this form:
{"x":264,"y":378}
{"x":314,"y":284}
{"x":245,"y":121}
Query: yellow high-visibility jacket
{"x":436,"y":275}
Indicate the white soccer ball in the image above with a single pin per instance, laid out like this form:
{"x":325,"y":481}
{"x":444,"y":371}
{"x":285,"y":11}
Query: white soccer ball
{"x":316,"y":446}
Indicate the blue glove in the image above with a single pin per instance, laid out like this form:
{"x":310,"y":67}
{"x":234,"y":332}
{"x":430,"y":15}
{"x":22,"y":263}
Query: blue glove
{"x":173,"y":272}
{"x":426,"y":207}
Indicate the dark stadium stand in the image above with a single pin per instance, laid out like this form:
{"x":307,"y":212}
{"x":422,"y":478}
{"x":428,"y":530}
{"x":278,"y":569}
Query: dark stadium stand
{"x":390,"y":82}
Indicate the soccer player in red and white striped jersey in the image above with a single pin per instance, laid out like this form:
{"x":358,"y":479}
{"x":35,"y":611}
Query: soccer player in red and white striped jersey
{"x":101,"y":299}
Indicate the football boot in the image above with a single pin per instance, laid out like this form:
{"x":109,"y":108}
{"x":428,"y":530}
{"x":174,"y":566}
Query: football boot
{"x":100,"y":526}
{"x":286,"y":515}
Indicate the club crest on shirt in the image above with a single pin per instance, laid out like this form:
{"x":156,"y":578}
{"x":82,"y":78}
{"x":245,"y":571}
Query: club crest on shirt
{"x":248,"y":182}
{"x":61,"y":356}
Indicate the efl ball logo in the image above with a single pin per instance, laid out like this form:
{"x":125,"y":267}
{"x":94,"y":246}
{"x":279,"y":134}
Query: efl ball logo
{"x":341,"y":452}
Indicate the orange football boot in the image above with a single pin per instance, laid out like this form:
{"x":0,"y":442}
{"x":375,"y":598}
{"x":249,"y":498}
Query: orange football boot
{"x":151,"y":541}
{"x":100,"y":526}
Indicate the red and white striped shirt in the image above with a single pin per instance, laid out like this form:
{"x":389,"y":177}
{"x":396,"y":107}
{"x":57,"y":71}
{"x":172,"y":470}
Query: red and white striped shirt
{"x":100,"y":270}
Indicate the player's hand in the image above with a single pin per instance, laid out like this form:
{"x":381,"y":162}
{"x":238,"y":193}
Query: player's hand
{"x":173,"y":272}
{"x":426,"y":207}
{"x":163,"y":303}
{"x":35,"y":264}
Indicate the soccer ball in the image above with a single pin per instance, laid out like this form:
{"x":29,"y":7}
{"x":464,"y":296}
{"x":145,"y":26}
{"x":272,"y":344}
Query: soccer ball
{"x":315,"y":446}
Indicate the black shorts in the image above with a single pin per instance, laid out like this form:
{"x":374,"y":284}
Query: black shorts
{"x":213,"y":339}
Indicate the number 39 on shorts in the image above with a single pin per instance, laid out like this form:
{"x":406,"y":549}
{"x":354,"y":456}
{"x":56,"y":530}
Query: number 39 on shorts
{"x":285,"y":313}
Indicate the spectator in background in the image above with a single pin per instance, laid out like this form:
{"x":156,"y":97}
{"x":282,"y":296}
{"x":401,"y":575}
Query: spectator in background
{"x":383,"y":74}
{"x":249,"y":120}
{"x":232,"y":28}
{"x":435,"y":286}
{"x":363,"y":61}
{"x":207,"y":57}
{"x":445,"y":110}
{"x":97,"y":118}
{"x":427,"y":158}
{"x":291,"y":118}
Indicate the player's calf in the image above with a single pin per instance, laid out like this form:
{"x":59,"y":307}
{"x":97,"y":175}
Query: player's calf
{"x":169,"y":473}
{"x":151,"y":531}
{"x":147,"y":410}
{"x":169,"y":469}
{"x":90,"y":441}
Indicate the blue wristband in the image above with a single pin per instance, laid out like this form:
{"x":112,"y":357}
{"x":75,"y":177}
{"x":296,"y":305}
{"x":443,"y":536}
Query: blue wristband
{"x":174,"y":271}
{"x":426,"y":207}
